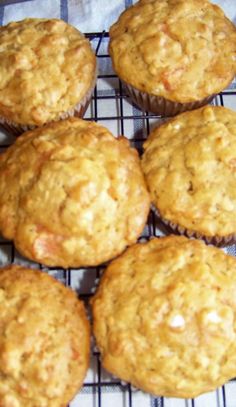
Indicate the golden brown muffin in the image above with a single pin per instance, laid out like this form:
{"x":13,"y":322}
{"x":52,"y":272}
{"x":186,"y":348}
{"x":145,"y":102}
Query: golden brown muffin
{"x":189,"y":164}
{"x":71,"y":194}
{"x":44,"y":340}
{"x":47,"y":72}
{"x":173,"y":55}
{"x":163,"y":317}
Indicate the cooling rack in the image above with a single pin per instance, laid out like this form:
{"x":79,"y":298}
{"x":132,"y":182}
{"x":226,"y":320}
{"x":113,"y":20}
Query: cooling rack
{"x":111,"y":106}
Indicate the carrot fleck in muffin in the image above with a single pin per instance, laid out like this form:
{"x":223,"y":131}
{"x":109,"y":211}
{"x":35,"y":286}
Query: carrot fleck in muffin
{"x":173,"y":55}
{"x":163,"y":317}
{"x":47,"y":73}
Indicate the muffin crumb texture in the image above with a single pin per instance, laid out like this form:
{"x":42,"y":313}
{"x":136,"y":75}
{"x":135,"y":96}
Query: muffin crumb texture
{"x":71,"y":194}
{"x":164,"y":317}
{"x":181,"y":50}
{"x":190,"y":167}
{"x":46,"y":68}
{"x":44,"y":340}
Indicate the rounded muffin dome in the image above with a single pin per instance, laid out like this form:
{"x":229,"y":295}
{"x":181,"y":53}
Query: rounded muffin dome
{"x":181,"y":50}
{"x":189,"y":165}
{"x":47,"y":70}
{"x":163,"y":317}
{"x":71,"y":194}
{"x":44,"y":339}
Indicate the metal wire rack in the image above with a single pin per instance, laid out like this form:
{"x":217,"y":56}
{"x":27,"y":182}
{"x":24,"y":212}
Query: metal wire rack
{"x":111,"y":107}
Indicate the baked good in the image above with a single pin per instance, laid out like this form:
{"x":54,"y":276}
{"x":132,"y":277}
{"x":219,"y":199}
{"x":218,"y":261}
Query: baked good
{"x":163,"y":317}
{"x":173,"y":55}
{"x":189,"y":163}
{"x":47,"y":73}
{"x":71,"y":194}
{"x":44,"y":340}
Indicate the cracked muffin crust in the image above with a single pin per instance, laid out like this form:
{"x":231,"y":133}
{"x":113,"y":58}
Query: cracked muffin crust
{"x":71,"y":194}
{"x":47,"y":68}
{"x":163,"y":317}
{"x":189,"y":163}
{"x":182,"y":51}
{"x":44,"y":340}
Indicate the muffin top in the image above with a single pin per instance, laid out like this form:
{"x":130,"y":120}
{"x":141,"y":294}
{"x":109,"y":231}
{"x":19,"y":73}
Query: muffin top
{"x":44,"y":340}
{"x":190,"y":167}
{"x":71,"y":194}
{"x":46,"y":68}
{"x":164,"y":317}
{"x":181,"y":50}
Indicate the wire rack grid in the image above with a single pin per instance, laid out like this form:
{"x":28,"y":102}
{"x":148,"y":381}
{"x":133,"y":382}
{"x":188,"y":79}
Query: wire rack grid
{"x":110,"y":106}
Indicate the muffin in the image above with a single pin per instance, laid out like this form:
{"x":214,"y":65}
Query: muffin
{"x":189,"y":164}
{"x":44,"y":340}
{"x":163,"y":317}
{"x":71,"y":194}
{"x":47,"y":73}
{"x":173,"y":55}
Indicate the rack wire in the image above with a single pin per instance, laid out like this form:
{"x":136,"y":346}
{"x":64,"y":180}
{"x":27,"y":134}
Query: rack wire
{"x":112,"y":107}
